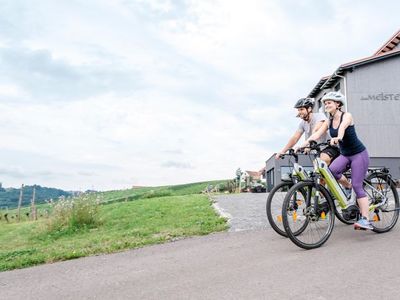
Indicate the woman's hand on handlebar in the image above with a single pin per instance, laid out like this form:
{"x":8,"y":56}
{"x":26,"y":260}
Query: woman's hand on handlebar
{"x":335,"y":141}
{"x":302,"y":149}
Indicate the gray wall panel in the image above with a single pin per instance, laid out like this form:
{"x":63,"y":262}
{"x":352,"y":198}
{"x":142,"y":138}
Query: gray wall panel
{"x":373,"y":94}
{"x":374,"y":100}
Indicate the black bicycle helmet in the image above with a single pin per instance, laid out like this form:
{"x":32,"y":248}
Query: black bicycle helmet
{"x":304,"y":102}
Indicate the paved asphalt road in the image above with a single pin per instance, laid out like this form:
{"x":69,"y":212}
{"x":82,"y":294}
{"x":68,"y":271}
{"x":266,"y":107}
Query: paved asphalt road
{"x":241,"y":264}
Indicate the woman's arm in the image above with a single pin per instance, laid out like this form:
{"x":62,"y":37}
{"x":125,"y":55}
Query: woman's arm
{"x":347,"y":121}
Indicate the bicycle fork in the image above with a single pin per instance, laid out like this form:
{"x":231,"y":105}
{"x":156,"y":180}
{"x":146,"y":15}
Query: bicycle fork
{"x":319,"y":209}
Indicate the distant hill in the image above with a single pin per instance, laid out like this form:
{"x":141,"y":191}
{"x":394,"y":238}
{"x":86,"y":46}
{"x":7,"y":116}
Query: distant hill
{"x":9,"y":197}
{"x":136,"y":192}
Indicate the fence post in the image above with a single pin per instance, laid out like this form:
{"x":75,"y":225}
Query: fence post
{"x":20,"y":202}
{"x":33,"y":207}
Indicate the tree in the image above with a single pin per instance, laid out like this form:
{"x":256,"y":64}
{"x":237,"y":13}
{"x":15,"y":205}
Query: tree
{"x":239,"y":177}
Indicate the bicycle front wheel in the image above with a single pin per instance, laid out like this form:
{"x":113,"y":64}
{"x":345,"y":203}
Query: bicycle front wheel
{"x":274,"y":206}
{"x":383,"y":200}
{"x":310,"y":224}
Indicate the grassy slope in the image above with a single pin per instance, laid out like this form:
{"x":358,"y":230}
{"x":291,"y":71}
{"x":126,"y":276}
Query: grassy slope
{"x":150,"y":192}
{"x":179,"y":212}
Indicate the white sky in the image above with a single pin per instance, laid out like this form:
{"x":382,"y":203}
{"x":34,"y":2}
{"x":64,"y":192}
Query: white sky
{"x":109,"y":94}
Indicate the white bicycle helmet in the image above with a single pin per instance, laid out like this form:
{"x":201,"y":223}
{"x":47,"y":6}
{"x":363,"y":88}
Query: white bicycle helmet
{"x":334,"y":96}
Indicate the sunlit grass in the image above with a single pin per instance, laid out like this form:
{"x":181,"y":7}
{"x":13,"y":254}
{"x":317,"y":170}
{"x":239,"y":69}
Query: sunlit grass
{"x":119,"y":226}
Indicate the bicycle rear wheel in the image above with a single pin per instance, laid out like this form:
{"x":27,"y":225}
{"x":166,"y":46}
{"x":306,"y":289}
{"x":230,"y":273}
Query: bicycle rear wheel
{"x":274,"y":206}
{"x":382,"y":192}
{"x":311,"y":224}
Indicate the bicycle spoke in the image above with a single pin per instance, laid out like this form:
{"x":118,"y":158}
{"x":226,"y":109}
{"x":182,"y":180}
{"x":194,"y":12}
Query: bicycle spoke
{"x":274,"y":207}
{"x":383,"y":197}
{"x":314,"y":217}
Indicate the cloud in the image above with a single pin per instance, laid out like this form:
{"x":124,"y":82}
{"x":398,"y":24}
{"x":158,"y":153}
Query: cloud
{"x":12,"y":172}
{"x":44,"y":78}
{"x":176,"y":165}
{"x":109,"y":94}
{"x":11,"y":91}
{"x":24,"y":166}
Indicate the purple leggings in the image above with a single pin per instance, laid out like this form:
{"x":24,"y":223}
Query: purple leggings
{"x":359,"y":166}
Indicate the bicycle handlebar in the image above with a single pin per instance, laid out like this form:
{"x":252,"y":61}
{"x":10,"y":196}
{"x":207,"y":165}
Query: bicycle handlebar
{"x":291,"y":152}
{"x":315,"y":146}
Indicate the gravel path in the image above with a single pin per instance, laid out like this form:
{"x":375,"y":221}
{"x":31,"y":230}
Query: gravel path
{"x":245,"y":211}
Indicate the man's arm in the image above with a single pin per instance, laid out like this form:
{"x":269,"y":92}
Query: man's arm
{"x":292,"y":141}
{"x":318,"y":125}
{"x":317,"y":134}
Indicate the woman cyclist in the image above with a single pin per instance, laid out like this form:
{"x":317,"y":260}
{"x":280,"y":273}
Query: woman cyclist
{"x":352,"y":152}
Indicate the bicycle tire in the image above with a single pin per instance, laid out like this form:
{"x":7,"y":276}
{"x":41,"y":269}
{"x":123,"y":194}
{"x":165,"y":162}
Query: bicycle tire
{"x":275,"y":199}
{"x":383,"y":218}
{"x":274,"y":211}
{"x":310,"y":215}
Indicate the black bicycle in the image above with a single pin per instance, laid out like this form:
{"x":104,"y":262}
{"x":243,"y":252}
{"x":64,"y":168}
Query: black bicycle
{"x":277,"y":195}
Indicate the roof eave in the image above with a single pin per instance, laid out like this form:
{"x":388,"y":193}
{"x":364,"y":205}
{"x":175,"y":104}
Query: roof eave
{"x":317,"y":87}
{"x":350,"y":66}
{"x":390,"y":44}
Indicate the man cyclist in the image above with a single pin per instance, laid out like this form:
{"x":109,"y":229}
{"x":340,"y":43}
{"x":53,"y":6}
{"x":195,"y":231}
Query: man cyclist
{"x":309,"y":124}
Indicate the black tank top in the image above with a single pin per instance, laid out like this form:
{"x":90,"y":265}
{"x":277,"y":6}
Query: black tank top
{"x":351,"y":144}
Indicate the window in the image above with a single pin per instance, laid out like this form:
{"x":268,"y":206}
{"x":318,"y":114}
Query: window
{"x":270,"y":179}
{"x":286,"y":170}
{"x":309,"y":169}
{"x":321,"y":107}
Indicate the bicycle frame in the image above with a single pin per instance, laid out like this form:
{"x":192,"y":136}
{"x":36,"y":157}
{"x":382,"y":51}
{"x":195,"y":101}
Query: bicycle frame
{"x":299,"y":172}
{"x":320,"y":167}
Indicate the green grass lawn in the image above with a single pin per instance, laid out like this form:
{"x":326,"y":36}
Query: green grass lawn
{"x":149,"y":219}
